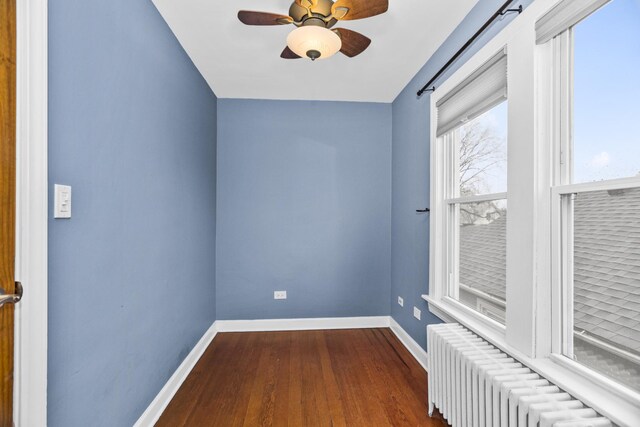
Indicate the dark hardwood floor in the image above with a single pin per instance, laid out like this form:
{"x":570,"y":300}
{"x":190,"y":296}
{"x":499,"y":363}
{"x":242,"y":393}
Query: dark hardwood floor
{"x":358,"y":377}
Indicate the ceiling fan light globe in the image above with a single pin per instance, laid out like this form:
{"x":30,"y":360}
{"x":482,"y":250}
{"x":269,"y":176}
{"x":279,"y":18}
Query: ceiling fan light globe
{"x":314,"y":39}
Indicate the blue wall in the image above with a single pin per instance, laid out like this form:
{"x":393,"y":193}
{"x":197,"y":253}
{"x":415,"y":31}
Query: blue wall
{"x":131,"y":275}
{"x":304,"y":205}
{"x":410,"y":182}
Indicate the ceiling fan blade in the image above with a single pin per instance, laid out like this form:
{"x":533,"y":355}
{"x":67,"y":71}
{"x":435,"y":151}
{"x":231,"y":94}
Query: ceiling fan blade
{"x":263,"y":18}
{"x":353,"y":43}
{"x":288,"y":54}
{"x":359,"y":9}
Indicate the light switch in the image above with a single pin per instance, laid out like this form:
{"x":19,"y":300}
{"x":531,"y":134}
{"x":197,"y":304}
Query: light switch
{"x":62,"y":201}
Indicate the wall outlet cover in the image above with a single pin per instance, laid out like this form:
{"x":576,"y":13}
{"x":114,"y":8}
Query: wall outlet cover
{"x":400,"y":302}
{"x":280,"y":295}
{"x":416,"y":313}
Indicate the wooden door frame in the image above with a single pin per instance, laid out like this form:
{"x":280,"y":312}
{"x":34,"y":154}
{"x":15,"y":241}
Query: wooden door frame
{"x":30,"y":372}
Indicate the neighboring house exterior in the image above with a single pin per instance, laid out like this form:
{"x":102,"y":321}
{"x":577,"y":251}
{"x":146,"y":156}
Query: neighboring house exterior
{"x":606,"y":279}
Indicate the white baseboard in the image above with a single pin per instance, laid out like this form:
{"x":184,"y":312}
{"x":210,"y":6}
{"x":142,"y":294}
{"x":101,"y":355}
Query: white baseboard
{"x":159,"y":404}
{"x":414,"y":348}
{"x":302,"y":324}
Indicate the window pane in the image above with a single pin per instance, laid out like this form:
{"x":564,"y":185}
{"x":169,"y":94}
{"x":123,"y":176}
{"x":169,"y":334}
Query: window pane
{"x":483,"y":153}
{"x":482,"y":257}
{"x":606,"y":282}
{"x":606,"y":93}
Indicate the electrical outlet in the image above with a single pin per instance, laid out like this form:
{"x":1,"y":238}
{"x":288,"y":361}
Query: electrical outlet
{"x":280,"y":295}
{"x":416,"y":313}
{"x":400,"y":302}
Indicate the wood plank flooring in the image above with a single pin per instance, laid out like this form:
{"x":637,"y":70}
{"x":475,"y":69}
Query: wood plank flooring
{"x":357,"y":377}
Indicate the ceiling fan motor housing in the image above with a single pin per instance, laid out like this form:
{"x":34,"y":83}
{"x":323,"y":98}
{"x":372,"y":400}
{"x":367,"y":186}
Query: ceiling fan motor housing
{"x":321,"y":9}
{"x":316,"y":22}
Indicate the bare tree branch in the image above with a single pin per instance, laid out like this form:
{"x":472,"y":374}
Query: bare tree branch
{"x":481,"y":156}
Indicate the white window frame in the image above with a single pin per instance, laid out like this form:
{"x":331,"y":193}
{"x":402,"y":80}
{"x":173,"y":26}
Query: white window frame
{"x":520,"y":63}
{"x":560,"y":50}
{"x":538,"y":117}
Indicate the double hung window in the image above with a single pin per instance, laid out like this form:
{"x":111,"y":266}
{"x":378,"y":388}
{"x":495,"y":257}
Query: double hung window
{"x":597,"y":195}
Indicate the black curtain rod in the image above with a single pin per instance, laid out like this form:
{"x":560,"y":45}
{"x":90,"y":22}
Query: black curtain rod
{"x":500,"y":12}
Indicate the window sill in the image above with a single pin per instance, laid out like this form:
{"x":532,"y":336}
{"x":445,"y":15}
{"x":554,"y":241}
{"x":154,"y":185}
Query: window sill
{"x":618,"y":403}
{"x":451,"y":310}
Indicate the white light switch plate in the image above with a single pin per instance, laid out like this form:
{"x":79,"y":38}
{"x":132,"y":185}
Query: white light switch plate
{"x":400,"y":302}
{"x":416,"y":313}
{"x":62,"y":201}
{"x":280,"y":295}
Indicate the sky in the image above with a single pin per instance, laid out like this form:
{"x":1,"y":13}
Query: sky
{"x":607,"y":93}
{"x":495,"y":177}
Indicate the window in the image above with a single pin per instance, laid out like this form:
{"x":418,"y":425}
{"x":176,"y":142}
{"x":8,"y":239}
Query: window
{"x":599,"y":195}
{"x":566,"y":258}
{"x":472,"y":121}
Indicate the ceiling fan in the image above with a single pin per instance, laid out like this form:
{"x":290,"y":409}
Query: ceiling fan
{"x":313,"y":38}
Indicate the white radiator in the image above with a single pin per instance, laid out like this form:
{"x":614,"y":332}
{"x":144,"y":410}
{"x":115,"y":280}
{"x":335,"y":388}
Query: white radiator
{"x":474,"y":384}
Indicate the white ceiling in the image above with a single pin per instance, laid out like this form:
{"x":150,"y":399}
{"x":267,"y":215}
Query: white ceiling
{"x":240,"y":61}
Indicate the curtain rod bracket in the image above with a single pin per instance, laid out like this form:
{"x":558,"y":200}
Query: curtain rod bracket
{"x":519,"y":10}
{"x":423,"y":90}
{"x":500,"y":12}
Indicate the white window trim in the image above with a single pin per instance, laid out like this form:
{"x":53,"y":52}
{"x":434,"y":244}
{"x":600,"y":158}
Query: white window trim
{"x":530,"y":336}
{"x":564,"y":15}
{"x":438,"y":280}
